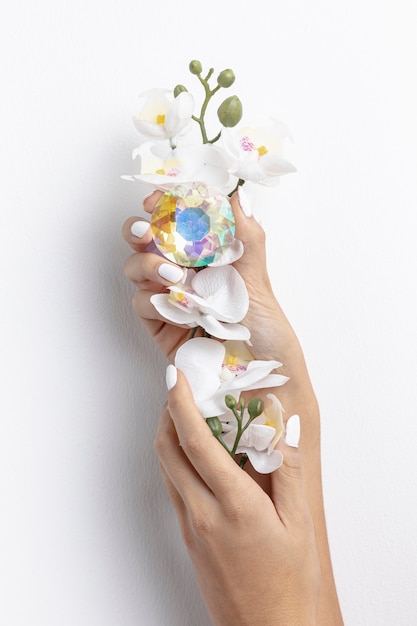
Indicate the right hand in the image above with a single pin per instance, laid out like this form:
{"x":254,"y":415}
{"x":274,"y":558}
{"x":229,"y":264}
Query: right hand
{"x":255,"y":555}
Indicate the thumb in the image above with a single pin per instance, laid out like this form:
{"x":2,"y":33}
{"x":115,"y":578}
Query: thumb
{"x":287,"y":485}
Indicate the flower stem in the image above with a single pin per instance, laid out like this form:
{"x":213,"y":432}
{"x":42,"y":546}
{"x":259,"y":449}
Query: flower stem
{"x":243,"y":460}
{"x":239,"y":183}
{"x":209,"y":93}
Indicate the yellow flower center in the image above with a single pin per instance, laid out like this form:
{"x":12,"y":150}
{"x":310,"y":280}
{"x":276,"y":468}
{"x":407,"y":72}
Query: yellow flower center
{"x":160,"y":119}
{"x":162,"y":172}
{"x":231,"y":361}
{"x":262,"y":150}
{"x":180,"y":298}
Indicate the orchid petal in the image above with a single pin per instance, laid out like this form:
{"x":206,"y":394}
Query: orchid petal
{"x":179,"y":114}
{"x":264,"y":463}
{"x":172,"y":313}
{"x":222,"y":330}
{"x":224,"y":291}
{"x":239,"y":350}
{"x":255,"y":436}
{"x":201,"y":359}
{"x":273,"y":417}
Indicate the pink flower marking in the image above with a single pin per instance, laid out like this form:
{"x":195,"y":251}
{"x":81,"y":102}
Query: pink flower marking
{"x":174,"y":171}
{"x":246,"y":144}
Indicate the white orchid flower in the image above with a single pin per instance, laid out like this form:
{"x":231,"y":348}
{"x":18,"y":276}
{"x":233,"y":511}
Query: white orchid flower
{"x":214,"y":298}
{"x":259,"y":439}
{"x":215,"y":369}
{"x":163,"y":167}
{"x":162,"y":116}
{"x":256,"y":154}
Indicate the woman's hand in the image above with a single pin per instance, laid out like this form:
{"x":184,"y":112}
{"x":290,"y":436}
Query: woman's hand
{"x":271,"y":334}
{"x":254,"y":555}
{"x":272,"y":337}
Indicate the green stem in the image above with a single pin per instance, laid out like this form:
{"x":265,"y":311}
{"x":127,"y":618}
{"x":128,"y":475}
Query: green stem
{"x":240,"y":182}
{"x":243,"y":460}
{"x":209,"y":94}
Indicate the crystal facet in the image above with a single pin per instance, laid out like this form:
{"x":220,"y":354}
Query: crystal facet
{"x":193,"y":225}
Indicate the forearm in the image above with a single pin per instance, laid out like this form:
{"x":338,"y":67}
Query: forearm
{"x":298,"y":397}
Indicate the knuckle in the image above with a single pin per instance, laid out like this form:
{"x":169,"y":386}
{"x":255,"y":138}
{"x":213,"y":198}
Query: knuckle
{"x":162,"y":441}
{"x":235,"y":509}
{"x":193,"y":446}
{"x":136,"y":299}
{"x":201,"y":525}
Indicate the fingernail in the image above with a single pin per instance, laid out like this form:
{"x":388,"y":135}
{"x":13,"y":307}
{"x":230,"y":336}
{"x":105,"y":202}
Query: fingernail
{"x":292,"y":431}
{"x":244,"y":202}
{"x":139,"y":229}
{"x":171,"y":272}
{"x":171,"y":376}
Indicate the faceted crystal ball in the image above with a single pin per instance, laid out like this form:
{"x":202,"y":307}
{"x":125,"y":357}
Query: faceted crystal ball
{"x":193,"y":225}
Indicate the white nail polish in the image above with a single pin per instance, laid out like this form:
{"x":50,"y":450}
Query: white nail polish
{"x":139,"y":229}
{"x":171,"y":272}
{"x":171,"y":376}
{"x":244,"y":202}
{"x":292,"y":431}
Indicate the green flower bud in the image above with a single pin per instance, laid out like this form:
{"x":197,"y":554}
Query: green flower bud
{"x":215,"y":426}
{"x":255,"y":407}
{"x":230,"y":112}
{"x":195,"y":67}
{"x":230,"y":401}
{"x":179,"y":89}
{"x":226,"y":78}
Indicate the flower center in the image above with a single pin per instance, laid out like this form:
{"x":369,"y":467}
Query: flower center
{"x":262,"y":150}
{"x":179,"y":298}
{"x":160,"y":119}
{"x":231,"y":366}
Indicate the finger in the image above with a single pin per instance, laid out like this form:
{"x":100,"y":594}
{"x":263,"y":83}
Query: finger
{"x":287,"y":484}
{"x":174,"y":496}
{"x":194,"y":493}
{"x":143,"y":267}
{"x":212,"y":462}
{"x":150,"y":201}
{"x":137,"y":233}
{"x":248,"y":229}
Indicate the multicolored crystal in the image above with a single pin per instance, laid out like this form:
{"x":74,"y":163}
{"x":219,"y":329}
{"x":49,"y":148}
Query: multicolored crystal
{"x":193,"y":225}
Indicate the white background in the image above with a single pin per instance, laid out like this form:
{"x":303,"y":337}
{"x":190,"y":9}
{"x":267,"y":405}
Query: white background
{"x":88,"y":535}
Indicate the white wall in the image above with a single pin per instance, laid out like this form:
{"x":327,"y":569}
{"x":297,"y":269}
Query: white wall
{"x":88,"y":536}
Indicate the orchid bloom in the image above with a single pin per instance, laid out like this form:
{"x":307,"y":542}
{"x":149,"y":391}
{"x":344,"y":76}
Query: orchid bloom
{"x":162,"y":116}
{"x":163,"y":167}
{"x":259,"y":439}
{"x":256,"y":154}
{"x":223,"y":368}
{"x":214,"y":298}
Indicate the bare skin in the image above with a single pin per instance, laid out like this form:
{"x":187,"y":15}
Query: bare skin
{"x":254,"y":555}
{"x":273,"y":338}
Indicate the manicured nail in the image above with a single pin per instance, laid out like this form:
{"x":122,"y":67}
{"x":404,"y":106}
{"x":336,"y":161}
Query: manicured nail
{"x":171,"y":272}
{"x":139,"y":229}
{"x":292,"y":431}
{"x":171,"y":376}
{"x":244,"y":202}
